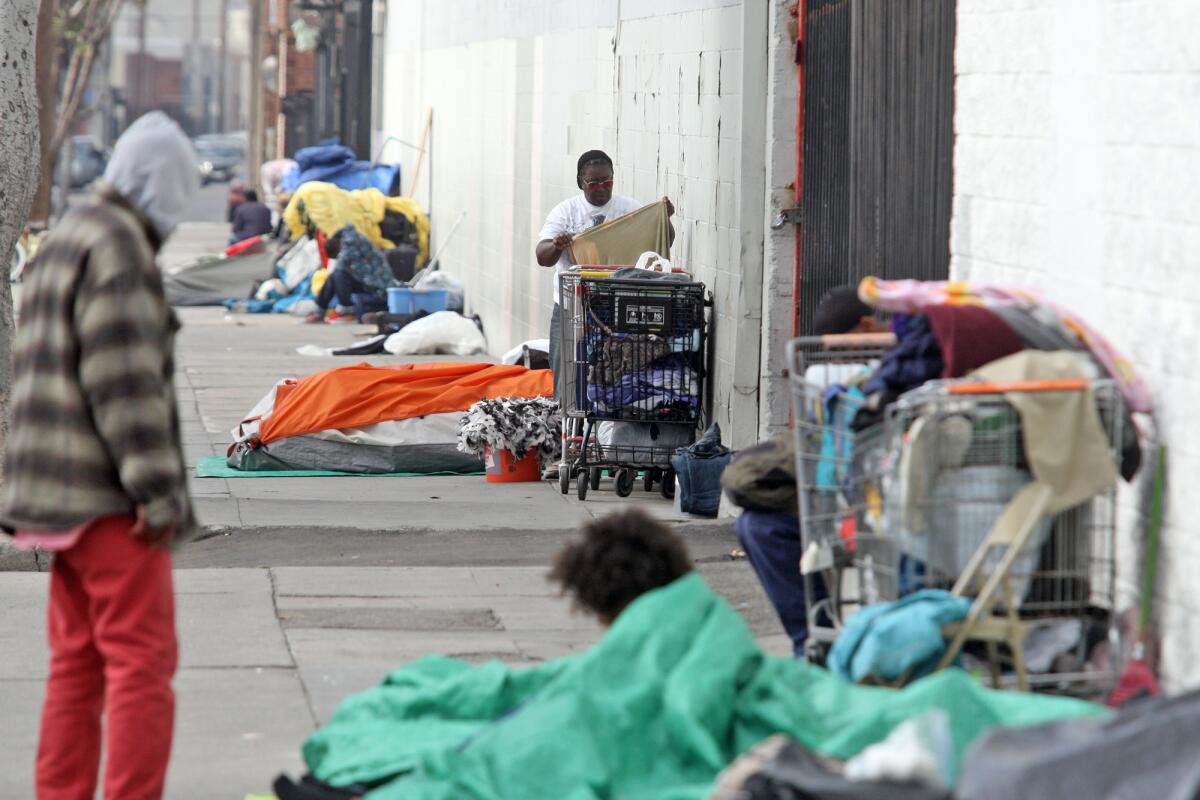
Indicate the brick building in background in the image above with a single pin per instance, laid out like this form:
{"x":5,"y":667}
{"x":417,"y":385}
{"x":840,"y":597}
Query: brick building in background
{"x":288,"y":99}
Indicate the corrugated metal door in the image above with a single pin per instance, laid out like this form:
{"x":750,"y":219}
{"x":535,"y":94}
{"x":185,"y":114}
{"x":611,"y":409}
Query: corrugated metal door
{"x":877,"y":139}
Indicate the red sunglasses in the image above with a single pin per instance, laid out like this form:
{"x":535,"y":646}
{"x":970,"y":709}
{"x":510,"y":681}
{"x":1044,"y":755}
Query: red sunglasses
{"x":608,"y":184}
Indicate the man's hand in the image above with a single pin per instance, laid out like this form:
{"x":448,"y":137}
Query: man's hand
{"x":670,"y":206}
{"x":563,"y":241}
{"x":143,"y":531}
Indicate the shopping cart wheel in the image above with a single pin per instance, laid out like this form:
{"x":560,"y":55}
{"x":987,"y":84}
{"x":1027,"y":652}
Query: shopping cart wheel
{"x":648,"y":480}
{"x":624,"y":482}
{"x":581,"y":485}
{"x":668,"y":484}
{"x":594,"y":476}
{"x":564,"y":480}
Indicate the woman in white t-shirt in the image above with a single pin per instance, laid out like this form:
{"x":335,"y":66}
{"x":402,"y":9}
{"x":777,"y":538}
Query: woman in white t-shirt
{"x":597,"y":205}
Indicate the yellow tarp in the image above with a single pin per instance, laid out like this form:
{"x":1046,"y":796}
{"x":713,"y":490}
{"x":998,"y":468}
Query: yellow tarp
{"x":329,"y":209}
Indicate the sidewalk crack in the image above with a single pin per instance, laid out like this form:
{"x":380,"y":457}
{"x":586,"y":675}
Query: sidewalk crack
{"x":308,"y":700}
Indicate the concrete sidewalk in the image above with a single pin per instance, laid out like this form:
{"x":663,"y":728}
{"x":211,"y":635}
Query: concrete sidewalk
{"x":266,"y":654}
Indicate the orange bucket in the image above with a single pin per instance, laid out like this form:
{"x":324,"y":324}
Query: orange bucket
{"x":502,"y":467}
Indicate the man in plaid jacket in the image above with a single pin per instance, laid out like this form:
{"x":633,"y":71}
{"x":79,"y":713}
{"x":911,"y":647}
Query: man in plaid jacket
{"x":95,"y":472}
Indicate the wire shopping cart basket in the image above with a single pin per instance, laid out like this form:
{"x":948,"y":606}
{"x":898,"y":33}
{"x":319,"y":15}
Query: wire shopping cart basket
{"x":633,"y":387}
{"x":923,"y":498}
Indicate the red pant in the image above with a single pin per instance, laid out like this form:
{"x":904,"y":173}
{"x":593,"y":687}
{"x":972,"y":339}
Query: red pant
{"x":112,"y":651}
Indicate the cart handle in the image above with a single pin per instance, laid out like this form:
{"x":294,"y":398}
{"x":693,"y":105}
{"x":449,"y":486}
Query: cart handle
{"x":844,"y":340}
{"x":1029,"y":387}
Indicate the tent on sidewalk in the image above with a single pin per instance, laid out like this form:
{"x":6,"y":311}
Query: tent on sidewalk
{"x":375,"y":419}
{"x":211,"y":281}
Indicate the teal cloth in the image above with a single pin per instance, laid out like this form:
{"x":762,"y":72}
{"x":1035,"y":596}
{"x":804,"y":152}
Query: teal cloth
{"x":218,"y":467}
{"x":886,"y":640}
{"x":673,"y":692}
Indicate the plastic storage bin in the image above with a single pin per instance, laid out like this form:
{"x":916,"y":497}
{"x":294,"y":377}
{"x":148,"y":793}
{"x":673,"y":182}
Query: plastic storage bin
{"x":403,"y":300}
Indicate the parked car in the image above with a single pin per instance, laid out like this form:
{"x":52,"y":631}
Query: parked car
{"x":217,"y":160}
{"x":87,"y":161}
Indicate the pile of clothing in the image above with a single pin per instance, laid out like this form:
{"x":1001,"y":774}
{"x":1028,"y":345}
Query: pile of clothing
{"x":949,"y":329}
{"x":518,"y":425}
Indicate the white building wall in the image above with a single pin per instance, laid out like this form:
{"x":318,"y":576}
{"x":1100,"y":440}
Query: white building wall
{"x":520,"y":89}
{"x":1077,"y":171}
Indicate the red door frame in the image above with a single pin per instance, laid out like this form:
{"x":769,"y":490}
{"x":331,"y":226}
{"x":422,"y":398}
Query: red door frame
{"x":800,"y":12}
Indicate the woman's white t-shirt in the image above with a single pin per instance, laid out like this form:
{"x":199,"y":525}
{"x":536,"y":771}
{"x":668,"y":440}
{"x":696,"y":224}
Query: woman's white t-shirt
{"x":575,"y":215}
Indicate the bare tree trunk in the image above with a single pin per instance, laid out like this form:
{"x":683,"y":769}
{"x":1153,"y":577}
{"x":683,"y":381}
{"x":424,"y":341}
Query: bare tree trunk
{"x":19,"y":151}
{"x":47,"y":90}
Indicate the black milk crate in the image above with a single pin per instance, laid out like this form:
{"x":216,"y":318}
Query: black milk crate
{"x":640,"y":350}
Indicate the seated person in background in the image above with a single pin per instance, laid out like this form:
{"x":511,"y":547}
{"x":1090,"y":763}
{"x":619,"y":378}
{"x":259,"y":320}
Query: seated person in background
{"x":769,"y":527}
{"x":250,"y":219}
{"x":361,"y":269}
{"x":236,"y":196}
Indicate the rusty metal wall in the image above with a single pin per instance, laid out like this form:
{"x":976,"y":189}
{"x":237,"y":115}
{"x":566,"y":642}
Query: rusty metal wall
{"x":878,"y":143}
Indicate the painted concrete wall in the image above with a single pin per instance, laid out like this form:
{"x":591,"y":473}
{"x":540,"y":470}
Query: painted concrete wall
{"x":520,"y":88}
{"x":1077,"y":171}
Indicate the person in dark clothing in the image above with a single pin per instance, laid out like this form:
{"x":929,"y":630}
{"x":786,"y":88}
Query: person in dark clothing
{"x":770,"y":534}
{"x":251,"y":218}
{"x":842,"y":311}
{"x":361,"y":269}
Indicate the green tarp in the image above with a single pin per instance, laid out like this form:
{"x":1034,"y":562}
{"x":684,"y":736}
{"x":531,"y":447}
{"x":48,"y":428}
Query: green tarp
{"x":675,"y":690}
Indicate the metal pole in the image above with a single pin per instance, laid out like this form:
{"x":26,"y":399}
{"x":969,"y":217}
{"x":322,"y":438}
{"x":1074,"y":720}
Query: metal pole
{"x":256,"y":89}
{"x":140,"y":94}
{"x":222,"y":65}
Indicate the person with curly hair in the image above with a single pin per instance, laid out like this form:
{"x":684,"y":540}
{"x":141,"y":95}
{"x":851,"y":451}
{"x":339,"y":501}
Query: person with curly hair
{"x":619,"y":558}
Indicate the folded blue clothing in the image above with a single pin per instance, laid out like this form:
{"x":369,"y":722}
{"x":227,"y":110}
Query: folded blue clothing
{"x":897,"y":639}
{"x":668,"y":385}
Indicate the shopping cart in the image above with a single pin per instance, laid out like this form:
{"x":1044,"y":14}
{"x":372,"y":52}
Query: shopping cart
{"x":914,"y":501}
{"x":633,"y":387}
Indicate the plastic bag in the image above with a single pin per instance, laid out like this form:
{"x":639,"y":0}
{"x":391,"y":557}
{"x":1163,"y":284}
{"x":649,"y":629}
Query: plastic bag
{"x":918,"y":750}
{"x":299,"y":263}
{"x":446,"y":332}
{"x":517,"y":354}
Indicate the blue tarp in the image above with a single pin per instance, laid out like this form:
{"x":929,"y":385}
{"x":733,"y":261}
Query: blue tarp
{"x":336,"y":164}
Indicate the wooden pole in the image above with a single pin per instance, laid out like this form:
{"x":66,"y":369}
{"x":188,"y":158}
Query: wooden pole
{"x":412,"y":188}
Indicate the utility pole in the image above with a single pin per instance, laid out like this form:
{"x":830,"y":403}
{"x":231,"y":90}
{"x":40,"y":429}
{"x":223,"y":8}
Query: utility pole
{"x":195,"y":95}
{"x":140,"y":94}
{"x":222,"y":66}
{"x":254,"y":156}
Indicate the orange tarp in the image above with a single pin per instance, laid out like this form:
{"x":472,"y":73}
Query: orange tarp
{"x":354,"y":397}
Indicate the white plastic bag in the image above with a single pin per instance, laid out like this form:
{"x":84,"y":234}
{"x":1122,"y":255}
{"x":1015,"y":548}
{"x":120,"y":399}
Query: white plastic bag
{"x":517,"y":354}
{"x":301,"y":261}
{"x":445,"y":332}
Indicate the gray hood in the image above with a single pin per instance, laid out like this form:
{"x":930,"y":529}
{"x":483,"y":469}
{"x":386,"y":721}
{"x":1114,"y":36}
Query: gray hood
{"x":154,"y":167}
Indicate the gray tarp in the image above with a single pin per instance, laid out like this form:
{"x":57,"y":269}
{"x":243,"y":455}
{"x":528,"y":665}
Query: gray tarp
{"x":308,"y":452}
{"x":1146,"y":751}
{"x":210,"y":282}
